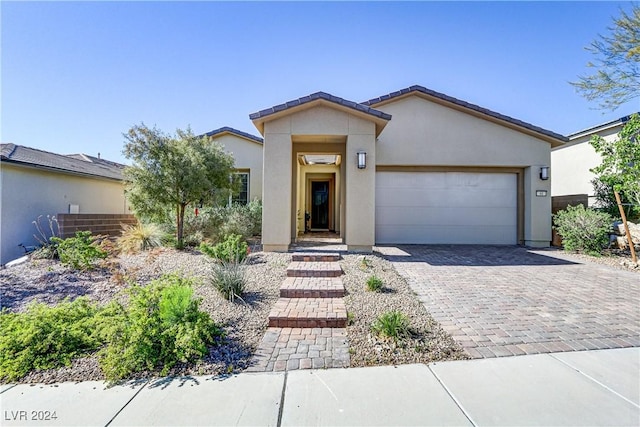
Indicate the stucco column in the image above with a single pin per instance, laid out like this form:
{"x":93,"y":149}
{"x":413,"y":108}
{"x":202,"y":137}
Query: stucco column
{"x":537,"y":209}
{"x":360,"y":194}
{"x":276,"y":192}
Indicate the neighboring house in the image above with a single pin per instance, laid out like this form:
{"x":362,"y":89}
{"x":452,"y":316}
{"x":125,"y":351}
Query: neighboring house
{"x":413,"y":166}
{"x":572,"y":162}
{"x":247,"y":153}
{"x":36,"y":182}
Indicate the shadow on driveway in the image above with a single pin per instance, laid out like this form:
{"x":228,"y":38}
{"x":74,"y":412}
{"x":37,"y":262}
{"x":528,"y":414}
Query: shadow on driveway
{"x":468,"y":255}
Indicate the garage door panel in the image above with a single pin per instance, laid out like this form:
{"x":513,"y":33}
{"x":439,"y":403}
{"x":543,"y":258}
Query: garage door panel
{"x":445,"y":216}
{"x":446,"y":207}
{"x":442,"y":235}
{"x":466,"y":198}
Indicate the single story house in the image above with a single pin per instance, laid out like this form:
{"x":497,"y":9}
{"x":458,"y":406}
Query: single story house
{"x":413,"y":166}
{"x":571,"y":163}
{"x":36,"y":182}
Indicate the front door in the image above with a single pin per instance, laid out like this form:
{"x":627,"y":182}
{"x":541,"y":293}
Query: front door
{"x":320,"y":204}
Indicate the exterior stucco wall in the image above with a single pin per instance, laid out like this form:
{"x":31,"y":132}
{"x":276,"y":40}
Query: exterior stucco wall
{"x":424,"y":133}
{"x":28,"y":193}
{"x":318,"y":125}
{"x":571,"y":164}
{"x":248,"y":156}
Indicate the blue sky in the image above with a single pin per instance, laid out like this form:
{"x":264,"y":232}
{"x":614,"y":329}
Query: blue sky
{"x":76,"y":75}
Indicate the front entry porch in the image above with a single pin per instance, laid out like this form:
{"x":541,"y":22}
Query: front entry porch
{"x":311,"y":175}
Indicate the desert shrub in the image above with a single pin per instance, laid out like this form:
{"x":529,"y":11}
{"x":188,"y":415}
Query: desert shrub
{"x":204,"y":226}
{"x":374,"y":284}
{"x":583,"y":229}
{"x":46,"y":337}
{"x":140,"y":237}
{"x":214,"y":223}
{"x":229,"y":279}
{"x":232,"y":248}
{"x":391,"y":325}
{"x":236,"y":222}
{"x":43,"y":235}
{"x":79,"y":252}
{"x":161,"y":326}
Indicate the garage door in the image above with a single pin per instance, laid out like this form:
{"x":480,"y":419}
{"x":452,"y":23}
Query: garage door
{"x":446,"y":207}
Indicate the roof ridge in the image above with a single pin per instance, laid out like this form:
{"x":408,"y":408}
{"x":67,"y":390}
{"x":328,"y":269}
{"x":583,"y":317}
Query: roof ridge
{"x":235,"y":131}
{"x":465,"y":104}
{"x":12,"y":148}
{"x":316,"y":96}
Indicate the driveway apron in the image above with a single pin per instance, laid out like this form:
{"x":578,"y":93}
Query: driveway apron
{"x":507,"y":300}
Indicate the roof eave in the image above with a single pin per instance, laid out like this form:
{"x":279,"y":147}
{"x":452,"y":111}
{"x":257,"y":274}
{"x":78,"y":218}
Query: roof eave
{"x":553,"y":138}
{"x":264,"y":116}
{"x":59,"y":170}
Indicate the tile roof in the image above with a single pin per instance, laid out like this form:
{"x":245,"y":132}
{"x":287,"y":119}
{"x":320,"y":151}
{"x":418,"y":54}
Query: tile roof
{"x":76,"y":163}
{"x":447,"y":98}
{"x":620,"y":121}
{"x":227,"y":129}
{"x":324,"y":96}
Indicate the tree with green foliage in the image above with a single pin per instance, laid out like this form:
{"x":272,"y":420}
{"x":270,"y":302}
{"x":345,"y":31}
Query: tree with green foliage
{"x":620,"y":167}
{"x":617,"y":57}
{"x":174,"y":171}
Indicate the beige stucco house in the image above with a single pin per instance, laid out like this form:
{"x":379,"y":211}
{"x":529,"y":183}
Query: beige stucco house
{"x":413,"y":166}
{"x":36,"y":182}
{"x":247,"y":153}
{"x":572,"y":162}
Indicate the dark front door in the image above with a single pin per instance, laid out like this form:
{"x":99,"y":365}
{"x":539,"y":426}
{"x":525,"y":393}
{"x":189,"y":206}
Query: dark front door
{"x":320,"y":204}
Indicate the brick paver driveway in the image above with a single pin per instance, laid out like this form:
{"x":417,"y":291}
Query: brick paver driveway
{"x":502,"y":301}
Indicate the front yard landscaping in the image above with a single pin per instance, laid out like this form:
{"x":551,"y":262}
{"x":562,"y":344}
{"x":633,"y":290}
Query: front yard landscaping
{"x":243,"y":321}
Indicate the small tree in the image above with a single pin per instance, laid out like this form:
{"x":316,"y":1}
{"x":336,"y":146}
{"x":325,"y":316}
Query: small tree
{"x":617,"y":63}
{"x":620,"y":167}
{"x":174,"y":171}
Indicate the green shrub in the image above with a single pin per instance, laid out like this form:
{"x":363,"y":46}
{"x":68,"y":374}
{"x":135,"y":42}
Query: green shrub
{"x":46,"y":337}
{"x":79,"y":252}
{"x":229,"y":279}
{"x":583,"y":229}
{"x":214,"y":223}
{"x":161,"y":326}
{"x":140,"y":237}
{"x":374,"y":284}
{"x":391,"y":325}
{"x":232,"y":248}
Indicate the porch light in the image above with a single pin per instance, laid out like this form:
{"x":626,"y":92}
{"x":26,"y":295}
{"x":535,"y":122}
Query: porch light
{"x":362,"y":160}
{"x":544,"y":173}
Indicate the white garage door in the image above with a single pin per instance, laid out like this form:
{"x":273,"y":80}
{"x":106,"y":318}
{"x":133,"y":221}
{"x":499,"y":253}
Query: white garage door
{"x":446,"y":207}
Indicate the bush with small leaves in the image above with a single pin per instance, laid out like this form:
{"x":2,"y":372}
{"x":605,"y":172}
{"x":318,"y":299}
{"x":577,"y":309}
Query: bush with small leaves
{"x":233,"y":248}
{"x":46,"y":337}
{"x":79,"y":252}
{"x":583,"y":229}
{"x":391,"y":325}
{"x":374,"y":284}
{"x":161,"y":326}
{"x":229,"y":279}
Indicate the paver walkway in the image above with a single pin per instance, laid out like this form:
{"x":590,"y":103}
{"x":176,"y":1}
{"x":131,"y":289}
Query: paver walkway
{"x":307,"y":325}
{"x":503,"y":301}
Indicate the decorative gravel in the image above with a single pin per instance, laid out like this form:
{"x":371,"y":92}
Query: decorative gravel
{"x":245,"y":322}
{"x":428,"y":341}
{"x":620,"y":259}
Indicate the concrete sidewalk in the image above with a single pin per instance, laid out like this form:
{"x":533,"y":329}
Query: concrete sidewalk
{"x":581,"y":388}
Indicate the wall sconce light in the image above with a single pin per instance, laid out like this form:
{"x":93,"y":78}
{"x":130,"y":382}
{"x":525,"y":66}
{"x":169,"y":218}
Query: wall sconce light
{"x":362,"y":160}
{"x":544,"y":173}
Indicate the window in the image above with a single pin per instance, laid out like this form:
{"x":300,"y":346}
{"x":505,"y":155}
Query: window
{"x":242,"y":197}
